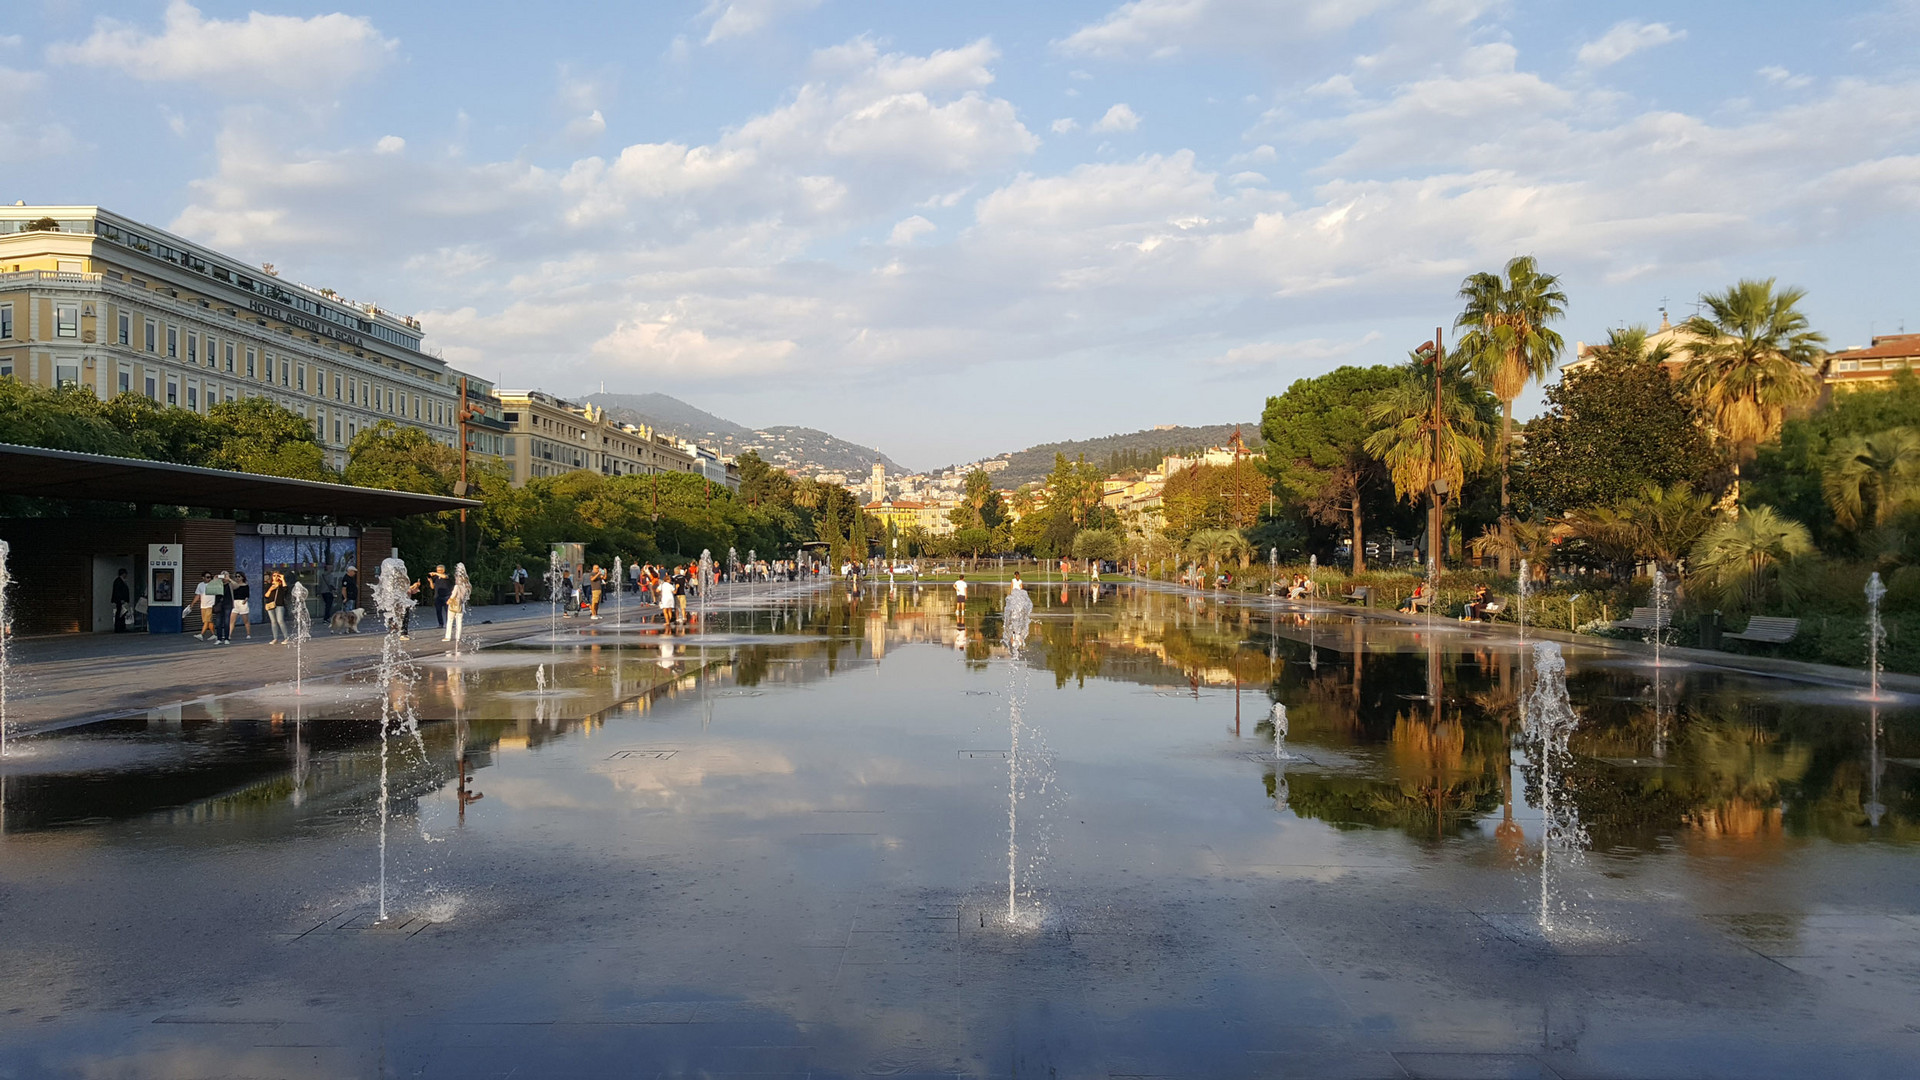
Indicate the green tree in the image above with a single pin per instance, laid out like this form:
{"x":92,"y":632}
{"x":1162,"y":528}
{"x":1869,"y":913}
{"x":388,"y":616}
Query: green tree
{"x":68,"y":419}
{"x":1315,"y":435}
{"x":1211,"y":547}
{"x":388,"y":455}
{"x":1097,"y":544}
{"x":1429,"y":448}
{"x":1509,"y":345}
{"x":1214,"y":497}
{"x":258,"y":435}
{"x":1741,"y":560}
{"x":1751,"y":358}
{"x":1609,"y":429}
{"x":1874,"y":475}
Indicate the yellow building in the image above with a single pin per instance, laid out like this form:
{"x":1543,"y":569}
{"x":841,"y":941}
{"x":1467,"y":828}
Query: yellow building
{"x":95,"y":300}
{"x":550,"y":436}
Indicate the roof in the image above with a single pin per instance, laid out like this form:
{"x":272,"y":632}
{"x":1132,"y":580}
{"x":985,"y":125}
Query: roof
{"x":64,"y":474}
{"x":1896,"y":345}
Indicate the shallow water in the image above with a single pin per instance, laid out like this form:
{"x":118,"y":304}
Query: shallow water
{"x":787,"y":851}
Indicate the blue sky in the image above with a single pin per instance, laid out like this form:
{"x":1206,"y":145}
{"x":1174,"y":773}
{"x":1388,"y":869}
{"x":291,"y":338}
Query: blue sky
{"x":953,"y":229}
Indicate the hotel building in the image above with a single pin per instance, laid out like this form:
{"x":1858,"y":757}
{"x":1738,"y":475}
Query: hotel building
{"x":89,"y":298}
{"x":551,"y":436}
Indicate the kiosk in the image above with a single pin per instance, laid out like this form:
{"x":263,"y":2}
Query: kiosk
{"x":163,"y":588}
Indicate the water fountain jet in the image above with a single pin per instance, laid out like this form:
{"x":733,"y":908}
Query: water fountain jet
{"x":1876,"y":633}
{"x":395,"y":678}
{"x":302,"y":633}
{"x":1549,"y":722}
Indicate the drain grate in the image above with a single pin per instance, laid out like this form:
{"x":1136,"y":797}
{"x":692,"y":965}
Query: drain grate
{"x":985,"y":755}
{"x":740,"y":693}
{"x":981,"y":693}
{"x":653,"y":755}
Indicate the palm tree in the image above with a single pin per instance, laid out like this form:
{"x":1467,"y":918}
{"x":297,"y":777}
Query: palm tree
{"x":1530,"y":540}
{"x":1739,"y":558}
{"x":1212,"y":546}
{"x":1509,"y":344}
{"x":1405,"y":440}
{"x":1667,"y":522}
{"x":1881,"y":470}
{"x":1751,"y":358}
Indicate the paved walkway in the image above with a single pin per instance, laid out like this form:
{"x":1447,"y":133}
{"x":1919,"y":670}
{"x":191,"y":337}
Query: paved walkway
{"x":72,"y":678}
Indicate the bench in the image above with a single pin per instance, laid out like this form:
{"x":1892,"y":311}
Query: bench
{"x":1494,"y":607}
{"x":1644,"y":619}
{"x":1363,"y":595}
{"x":1767,"y":630}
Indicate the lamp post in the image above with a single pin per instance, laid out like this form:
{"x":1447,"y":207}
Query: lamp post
{"x":1435,"y":352}
{"x":464,"y":414}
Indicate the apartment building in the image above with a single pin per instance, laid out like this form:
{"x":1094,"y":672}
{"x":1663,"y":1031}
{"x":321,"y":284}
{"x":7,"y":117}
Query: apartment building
{"x":549,"y":435}
{"x":90,"y":298}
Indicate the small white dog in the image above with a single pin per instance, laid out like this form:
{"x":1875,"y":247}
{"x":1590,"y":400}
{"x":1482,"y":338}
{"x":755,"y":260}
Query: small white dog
{"x":347,"y":620}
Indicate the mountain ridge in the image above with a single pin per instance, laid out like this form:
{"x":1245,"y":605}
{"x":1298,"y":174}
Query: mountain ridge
{"x":1035,"y":462}
{"x":804,"y":449}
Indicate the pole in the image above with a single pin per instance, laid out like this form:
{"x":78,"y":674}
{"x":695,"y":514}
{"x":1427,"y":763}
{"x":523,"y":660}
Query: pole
{"x":464,"y":414}
{"x":1435,"y":537}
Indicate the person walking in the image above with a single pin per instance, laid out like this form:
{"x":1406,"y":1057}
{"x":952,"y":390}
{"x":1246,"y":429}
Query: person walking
{"x":220,"y":588}
{"x":350,"y":593}
{"x":519,"y":584}
{"x":596,"y":588}
{"x":204,"y":601}
{"x":242,"y":606}
{"x":122,"y":602}
{"x":665,"y":598}
{"x":457,"y":610}
{"x":329,"y":586}
{"x":441,"y":587}
{"x":274,"y":602}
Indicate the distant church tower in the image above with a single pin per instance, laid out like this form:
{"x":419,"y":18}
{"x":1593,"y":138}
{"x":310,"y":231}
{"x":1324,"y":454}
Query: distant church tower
{"x":879,"y":482}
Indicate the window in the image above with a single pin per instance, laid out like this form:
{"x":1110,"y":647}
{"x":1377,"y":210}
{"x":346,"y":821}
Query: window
{"x":286,"y":372}
{"x":229,"y":393}
{"x":193,"y":397}
{"x":352,"y":430}
{"x":193,"y":347}
{"x":336,"y":386}
{"x":301,"y":375}
{"x":251,"y":356}
{"x":352,"y":393}
{"x":6,"y":320}
{"x":389,"y":403}
{"x":229,"y":357}
{"x":65,"y":375}
{"x":173,"y":392}
{"x":173,"y":342}
{"x":126,"y":330}
{"x":336,"y":429}
{"x":126,"y":380}
{"x":152,"y":331}
{"x":152,"y":394}
{"x":66,"y":320}
{"x":1847,"y":365}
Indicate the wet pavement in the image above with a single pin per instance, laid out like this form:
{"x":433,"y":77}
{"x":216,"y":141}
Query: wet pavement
{"x":817,"y":841}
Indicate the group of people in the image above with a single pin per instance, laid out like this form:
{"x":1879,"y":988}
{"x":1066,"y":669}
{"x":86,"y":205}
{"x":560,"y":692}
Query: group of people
{"x":225,"y":600}
{"x":449,"y":596}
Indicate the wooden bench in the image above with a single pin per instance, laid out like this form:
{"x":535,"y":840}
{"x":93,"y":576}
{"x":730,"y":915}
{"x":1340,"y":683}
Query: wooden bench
{"x":1644,"y":619}
{"x":1494,"y":607}
{"x":1415,"y":603}
{"x":1767,"y":630}
{"x":1362,"y":595}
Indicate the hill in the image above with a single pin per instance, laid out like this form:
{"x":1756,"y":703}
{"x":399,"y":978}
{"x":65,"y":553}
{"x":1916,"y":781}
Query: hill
{"x":802,"y":448}
{"x":1115,"y":452}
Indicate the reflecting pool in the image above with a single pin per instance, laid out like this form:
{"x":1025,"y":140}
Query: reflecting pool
{"x":855,"y":835}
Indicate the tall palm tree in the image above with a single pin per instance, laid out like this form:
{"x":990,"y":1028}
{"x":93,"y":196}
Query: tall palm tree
{"x":1509,"y":345}
{"x":1667,"y":522}
{"x":1213,"y":546}
{"x":1881,"y":471}
{"x":1751,"y":357}
{"x":1405,"y":438}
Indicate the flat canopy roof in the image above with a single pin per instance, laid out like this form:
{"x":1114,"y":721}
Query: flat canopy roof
{"x":64,"y":474}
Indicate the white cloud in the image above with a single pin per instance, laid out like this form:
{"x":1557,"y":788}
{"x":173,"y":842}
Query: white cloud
{"x":582,"y":129}
{"x":1119,"y":118}
{"x":14,"y":83}
{"x":1780,"y":76}
{"x":389,"y":144}
{"x":1064,"y":125}
{"x":1166,"y":27}
{"x":737,"y":18}
{"x":264,"y":52}
{"x":1311,"y":352}
{"x":910,"y":229}
{"x":1625,"y":39}
{"x":656,"y":343}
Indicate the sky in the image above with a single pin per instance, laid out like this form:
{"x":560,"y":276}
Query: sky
{"x":949,"y":230}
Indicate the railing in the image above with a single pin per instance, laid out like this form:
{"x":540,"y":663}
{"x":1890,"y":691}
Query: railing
{"x":18,"y":278}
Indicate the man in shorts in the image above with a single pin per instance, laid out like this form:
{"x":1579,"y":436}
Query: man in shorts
{"x":960,"y":593}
